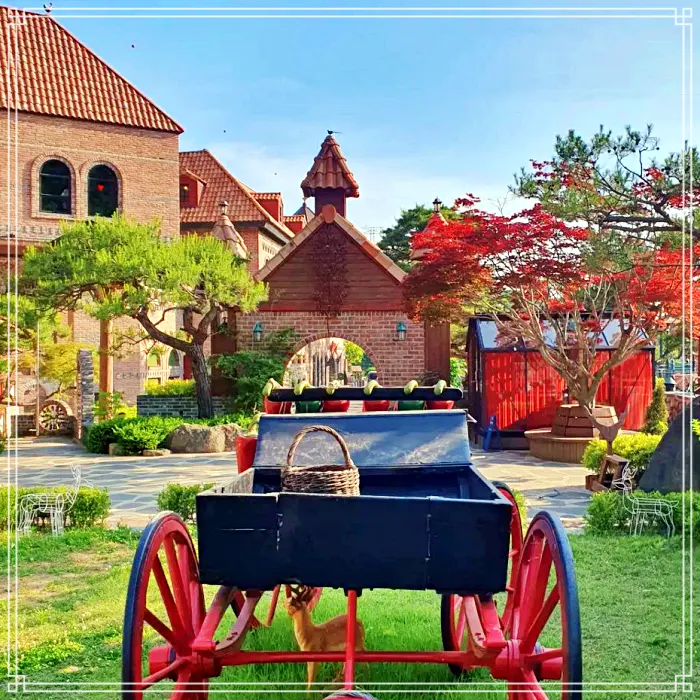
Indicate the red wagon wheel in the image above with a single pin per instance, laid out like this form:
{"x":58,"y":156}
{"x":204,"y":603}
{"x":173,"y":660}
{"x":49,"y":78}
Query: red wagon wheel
{"x":545,"y":581}
{"x":165,"y":561}
{"x":452,"y":613}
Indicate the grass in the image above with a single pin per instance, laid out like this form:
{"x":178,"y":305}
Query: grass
{"x":72,"y":591}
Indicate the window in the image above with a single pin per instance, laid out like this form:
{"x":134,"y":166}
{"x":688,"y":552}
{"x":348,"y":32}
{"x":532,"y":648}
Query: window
{"x":55,"y":187}
{"x":174,"y":359}
{"x":103,"y":191}
{"x":184,"y":194}
{"x":153,"y":359}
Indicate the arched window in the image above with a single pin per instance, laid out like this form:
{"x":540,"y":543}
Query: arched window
{"x":55,"y":187}
{"x":153,"y":359}
{"x":103,"y":191}
{"x":174,"y":359}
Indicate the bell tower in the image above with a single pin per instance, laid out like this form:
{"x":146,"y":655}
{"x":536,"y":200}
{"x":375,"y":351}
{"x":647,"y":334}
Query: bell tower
{"x":330,"y":181}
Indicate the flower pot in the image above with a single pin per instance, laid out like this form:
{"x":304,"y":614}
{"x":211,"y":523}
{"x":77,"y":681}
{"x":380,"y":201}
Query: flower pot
{"x":369,"y":406}
{"x":308,"y":406}
{"x":410,"y":406}
{"x":245,"y":451}
{"x":336,"y":406}
{"x":276,"y":407}
{"x":440,"y":405}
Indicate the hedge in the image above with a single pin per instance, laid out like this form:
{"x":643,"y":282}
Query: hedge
{"x":637,"y":448}
{"x":181,"y":499}
{"x":606,"y":513}
{"x":90,"y":508}
{"x":173,"y":387}
{"x":148,"y":432}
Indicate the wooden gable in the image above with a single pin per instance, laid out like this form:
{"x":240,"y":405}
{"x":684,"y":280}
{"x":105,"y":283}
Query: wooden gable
{"x":332,"y":259}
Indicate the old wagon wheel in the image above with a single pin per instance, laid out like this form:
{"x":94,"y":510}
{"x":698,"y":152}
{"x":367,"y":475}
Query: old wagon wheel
{"x":452,"y":618}
{"x":165,"y":564}
{"x":548,"y":645}
{"x":54,"y":416}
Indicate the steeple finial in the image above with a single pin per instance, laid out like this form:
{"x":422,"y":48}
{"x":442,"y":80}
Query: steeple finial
{"x":224,"y":207}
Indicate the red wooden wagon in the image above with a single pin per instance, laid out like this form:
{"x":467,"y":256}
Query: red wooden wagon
{"x":425,"y":520}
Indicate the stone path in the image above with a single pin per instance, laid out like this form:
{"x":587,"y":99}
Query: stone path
{"x":134,"y":482}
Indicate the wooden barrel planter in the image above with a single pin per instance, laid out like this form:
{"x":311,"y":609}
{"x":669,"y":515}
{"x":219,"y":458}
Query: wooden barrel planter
{"x":569,"y":435}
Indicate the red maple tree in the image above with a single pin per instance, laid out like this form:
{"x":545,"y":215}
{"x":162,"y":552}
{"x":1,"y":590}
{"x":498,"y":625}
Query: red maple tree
{"x":556,"y":285}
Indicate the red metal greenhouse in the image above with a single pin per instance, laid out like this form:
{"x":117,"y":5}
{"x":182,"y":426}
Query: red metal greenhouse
{"x":515,"y":384}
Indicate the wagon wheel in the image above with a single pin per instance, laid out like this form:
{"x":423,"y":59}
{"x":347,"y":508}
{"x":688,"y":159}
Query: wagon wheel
{"x":53,"y":417}
{"x":545,"y":580}
{"x":165,"y":562}
{"x":452,"y":620}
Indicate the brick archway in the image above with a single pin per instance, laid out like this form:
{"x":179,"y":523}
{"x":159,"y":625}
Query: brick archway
{"x":360,"y":341}
{"x":396,"y":361}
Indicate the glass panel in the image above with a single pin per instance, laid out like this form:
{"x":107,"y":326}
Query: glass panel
{"x":492,"y":337}
{"x":174,"y":359}
{"x":103,"y":191}
{"x":55,"y":187}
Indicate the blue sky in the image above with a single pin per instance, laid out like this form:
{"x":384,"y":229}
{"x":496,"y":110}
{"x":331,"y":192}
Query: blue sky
{"x":426,"y":107}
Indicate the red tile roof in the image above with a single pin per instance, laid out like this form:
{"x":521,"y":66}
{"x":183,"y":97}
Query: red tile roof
{"x":330,"y":171}
{"x":267,"y":195}
{"x":220,"y":185}
{"x":59,"y":76}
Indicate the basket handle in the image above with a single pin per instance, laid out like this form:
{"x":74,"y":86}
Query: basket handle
{"x":319,"y":429}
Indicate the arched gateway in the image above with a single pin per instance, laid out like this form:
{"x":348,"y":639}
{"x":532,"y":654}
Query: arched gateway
{"x":329,"y":280}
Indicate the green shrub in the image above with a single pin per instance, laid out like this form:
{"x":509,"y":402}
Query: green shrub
{"x":458,"y":368}
{"x":250,"y":370}
{"x":656,"y":419}
{"x":181,"y":499}
{"x":173,"y":387}
{"x":90,"y":508}
{"x":696,"y":428}
{"x":637,"y":448}
{"x":606,"y":513}
{"x":147,"y":433}
{"x":99,"y":435}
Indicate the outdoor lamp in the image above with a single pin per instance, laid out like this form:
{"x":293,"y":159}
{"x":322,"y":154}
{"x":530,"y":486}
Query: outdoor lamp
{"x":257,"y":332}
{"x":401,"y":331}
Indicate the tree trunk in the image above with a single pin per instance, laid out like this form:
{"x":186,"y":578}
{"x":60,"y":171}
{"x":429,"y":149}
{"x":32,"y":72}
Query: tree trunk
{"x":202,"y":384}
{"x":106,"y":366}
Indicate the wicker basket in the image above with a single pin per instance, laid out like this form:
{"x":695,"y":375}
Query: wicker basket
{"x":343,"y":479}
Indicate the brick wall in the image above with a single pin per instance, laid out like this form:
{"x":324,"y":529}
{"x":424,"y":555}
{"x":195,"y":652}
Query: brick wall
{"x":146,"y":163}
{"x":184,"y":406}
{"x":396,"y":361}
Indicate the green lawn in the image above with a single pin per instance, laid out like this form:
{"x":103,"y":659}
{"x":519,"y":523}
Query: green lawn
{"x":72,"y":592}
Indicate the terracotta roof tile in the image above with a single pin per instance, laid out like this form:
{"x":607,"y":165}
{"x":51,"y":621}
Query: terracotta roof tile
{"x":221,"y":185}
{"x":267,"y":195}
{"x":60,"y":76}
{"x":330,"y":171}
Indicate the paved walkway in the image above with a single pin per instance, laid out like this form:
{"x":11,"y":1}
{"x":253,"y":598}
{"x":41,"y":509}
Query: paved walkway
{"x":134,"y":482}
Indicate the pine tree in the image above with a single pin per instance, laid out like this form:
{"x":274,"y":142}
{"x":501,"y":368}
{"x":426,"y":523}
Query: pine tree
{"x":656,"y":419}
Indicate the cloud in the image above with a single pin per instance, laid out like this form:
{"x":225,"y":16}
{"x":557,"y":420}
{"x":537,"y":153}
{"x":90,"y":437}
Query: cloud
{"x":387,"y":185}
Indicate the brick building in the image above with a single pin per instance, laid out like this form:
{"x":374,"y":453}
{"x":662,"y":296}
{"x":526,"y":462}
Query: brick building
{"x":330,"y":281}
{"x":258,"y":217}
{"x":86,"y":143}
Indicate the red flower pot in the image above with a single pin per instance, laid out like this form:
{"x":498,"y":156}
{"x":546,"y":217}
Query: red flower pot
{"x":368,"y":406}
{"x":440,"y":405}
{"x":272,"y":406}
{"x":245,"y":451}
{"x":336,"y":406}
